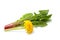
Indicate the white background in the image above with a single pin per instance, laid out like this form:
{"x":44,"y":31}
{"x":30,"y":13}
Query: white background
{"x":11,"y":10}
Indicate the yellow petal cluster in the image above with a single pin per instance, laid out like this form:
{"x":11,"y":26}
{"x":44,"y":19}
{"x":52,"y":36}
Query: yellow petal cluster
{"x":28,"y":26}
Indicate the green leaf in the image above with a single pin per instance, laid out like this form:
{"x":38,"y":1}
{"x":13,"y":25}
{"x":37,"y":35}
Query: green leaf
{"x":26,"y":16}
{"x":44,"y":12}
{"x":47,"y":18}
{"x":39,"y":23}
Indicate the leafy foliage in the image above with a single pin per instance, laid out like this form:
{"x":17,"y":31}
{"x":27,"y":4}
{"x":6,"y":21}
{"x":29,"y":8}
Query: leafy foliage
{"x":39,"y":19}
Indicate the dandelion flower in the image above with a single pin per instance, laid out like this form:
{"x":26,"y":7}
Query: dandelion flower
{"x":28,"y":26}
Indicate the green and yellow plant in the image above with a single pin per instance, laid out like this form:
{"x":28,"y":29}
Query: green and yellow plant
{"x":30,"y":20}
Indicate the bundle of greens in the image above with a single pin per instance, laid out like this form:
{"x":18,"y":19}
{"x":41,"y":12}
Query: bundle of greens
{"x":38,"y":20}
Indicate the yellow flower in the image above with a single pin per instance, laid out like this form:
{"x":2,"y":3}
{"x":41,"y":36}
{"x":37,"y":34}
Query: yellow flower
{"x":28,"y":26}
